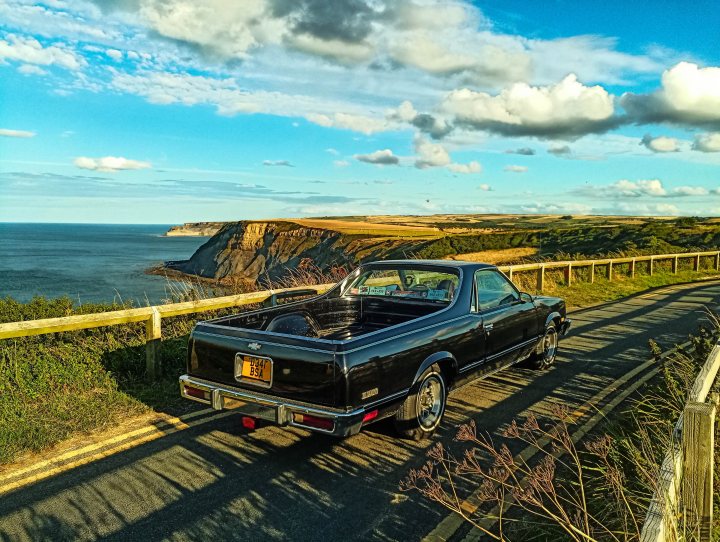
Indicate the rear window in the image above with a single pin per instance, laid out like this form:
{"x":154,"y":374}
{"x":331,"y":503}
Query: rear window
{"x":419,"y":284}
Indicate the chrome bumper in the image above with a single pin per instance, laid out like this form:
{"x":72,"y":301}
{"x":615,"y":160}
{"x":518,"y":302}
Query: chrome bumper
{"x":270,"y":409}
{"x":565,"y":326}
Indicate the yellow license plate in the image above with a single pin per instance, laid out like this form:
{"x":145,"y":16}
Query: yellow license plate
{"x":257,"y":369}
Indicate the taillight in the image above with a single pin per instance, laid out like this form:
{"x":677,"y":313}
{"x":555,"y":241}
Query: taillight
{"x":314,"y":421}
{"x":369,"y":416}
{"x":249,"y":423}
{"x":196,"y":392}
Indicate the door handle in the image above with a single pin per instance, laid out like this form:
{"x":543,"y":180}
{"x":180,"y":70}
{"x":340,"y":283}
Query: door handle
{"x":487,"y":327}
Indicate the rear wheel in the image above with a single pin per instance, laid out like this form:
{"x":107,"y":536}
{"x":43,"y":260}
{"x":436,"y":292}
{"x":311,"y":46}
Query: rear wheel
{"x":421,"y":413}
{"x":546,"y":351}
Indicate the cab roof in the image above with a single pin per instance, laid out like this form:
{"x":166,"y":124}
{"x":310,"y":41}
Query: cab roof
{"x":454,"y":264}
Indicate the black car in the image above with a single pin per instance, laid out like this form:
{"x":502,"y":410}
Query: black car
{"x":392,"y":339}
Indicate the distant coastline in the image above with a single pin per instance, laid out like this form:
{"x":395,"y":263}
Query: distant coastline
{"x":195,"y":229}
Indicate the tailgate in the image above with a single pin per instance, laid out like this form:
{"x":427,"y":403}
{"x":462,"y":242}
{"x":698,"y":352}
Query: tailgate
{"x":286,"y":366}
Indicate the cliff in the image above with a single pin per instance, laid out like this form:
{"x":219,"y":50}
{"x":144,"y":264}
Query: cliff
{"x":254,"y":250}
{"x":195,"y":229}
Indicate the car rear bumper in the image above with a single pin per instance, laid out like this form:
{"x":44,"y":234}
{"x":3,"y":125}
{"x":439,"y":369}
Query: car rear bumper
{"x":271,"y":409}
{"x":565,"y":326}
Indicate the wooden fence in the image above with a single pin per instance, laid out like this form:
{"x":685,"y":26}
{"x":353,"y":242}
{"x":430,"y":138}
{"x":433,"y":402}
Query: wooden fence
{"x":152,"y":316}
{"x":685,"y":486}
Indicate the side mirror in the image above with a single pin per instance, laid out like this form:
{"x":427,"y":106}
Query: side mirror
{"x":526,"y":297}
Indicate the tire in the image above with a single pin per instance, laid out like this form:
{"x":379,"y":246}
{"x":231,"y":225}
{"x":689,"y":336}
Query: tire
{"x":546,"y":351}
{"x":422,"y":411}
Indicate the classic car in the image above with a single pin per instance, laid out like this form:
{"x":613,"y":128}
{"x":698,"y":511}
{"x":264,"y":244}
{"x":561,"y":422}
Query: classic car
{"x":390,"y":340}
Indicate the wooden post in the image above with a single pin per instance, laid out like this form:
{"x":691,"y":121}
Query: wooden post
{"x":651,"y":261}
{"x":510,"y":274}
{"x":153,"y":334}
{"x":541,"y":278}
{"x":696,"y":265}
{"x":675,"y":265}
{"x":698,"y":449}
{"x":610,"y":265}
{"x":592,"y":272}
{"x":717,"y":261}
{"x":632,"y":268}
{"x":568,"y":275}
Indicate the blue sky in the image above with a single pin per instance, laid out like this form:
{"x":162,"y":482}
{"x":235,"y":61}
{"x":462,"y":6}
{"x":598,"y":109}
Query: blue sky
{"x":167,"y":111}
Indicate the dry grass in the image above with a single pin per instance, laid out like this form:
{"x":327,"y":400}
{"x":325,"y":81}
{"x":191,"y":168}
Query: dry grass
{"x":497,"y":256}
{"x":366,"y":227}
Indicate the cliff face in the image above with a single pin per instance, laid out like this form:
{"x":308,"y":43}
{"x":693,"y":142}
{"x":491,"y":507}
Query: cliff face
{"x":258,"y":249}
{"x":195,"y":229}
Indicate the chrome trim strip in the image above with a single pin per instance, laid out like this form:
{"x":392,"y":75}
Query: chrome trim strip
{"x":387,"y":399}
{"x":306,"y":348}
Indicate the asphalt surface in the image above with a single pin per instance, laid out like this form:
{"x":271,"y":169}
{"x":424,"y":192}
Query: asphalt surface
{"x":218,"y":482}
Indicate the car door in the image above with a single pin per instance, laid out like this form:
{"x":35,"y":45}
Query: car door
{"x":510,"y":322}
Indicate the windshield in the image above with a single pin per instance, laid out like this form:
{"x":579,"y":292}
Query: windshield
{"x":406,"y":282}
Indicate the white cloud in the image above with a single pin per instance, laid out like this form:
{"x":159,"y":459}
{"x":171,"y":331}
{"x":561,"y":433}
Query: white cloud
{"x":341,"y":163}
{"x":116,"y":55}
{"x":109,"y":164}
{"x":689,"y":95}
{"x":383,"y":158}
{"x":707,"y":142}
{"x":16,"y":133}
{"x":648,"y":209}
{"x":660,"y":143}
{"x":276,"y":163}
{"x":31,"y":69}
{"x":31,"y":51}
{"x":430,"y":154}
{"x":332,"y":151}
{"x":356,"y":123}
{"x":690,"y":191}
{"x":471,"y":167}
{"x":516,"y":169}
{"x":567,"y":109}
{"x":634,"y":189}
{"x":485,"y":187}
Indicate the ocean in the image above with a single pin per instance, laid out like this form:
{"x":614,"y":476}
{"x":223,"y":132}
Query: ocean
{"x":88,"y":262}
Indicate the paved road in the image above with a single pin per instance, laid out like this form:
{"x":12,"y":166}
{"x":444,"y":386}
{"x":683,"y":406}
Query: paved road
{"x":217,"y":482}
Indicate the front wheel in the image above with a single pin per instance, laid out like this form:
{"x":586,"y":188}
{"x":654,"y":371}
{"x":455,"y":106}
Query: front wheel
{"x":421,"y":412}
{"x":546,"y":351}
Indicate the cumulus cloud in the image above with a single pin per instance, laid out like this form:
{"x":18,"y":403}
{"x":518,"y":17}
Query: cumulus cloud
{"x":109,"y":164}
{"x":647,"y":209}
{"x":525,"y":151}
{"x":485,"y":187}
{"x":31,"y":69}
{"x":649,"y":188}
{"x":430,"y":154}
{"x":568,"y":109}
{"x":688,"y":95}
{"x":690,"y":191}
{"x":660,"y":143}
{"x":516,"y":169}
{"x":707,"y":142}
{"x":31,"y":51}
{"x":116,"y":55}
{"x":383,"y":157}
{"x":277,"y":163}
{"x":471,"y":167}
{"x":432,"y":125}
{"x":16,"y":133}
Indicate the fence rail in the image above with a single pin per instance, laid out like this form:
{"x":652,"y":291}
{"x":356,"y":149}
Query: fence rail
{"x":152,"y":316}
{"x":685,"y":486}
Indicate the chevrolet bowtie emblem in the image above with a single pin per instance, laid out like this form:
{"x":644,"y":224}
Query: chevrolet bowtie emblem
{"x":254,"y":346}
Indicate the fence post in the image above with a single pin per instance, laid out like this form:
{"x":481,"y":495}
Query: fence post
{"x":697,"y":486}
{"x":696,"y":265}
{"x":651,"y":261}
{"x":675,"y":265}
{"x":153,"y":334}
{"x":541,"y":278}
{"x":592,"y":272}
{"x":510,"y":274}
{"x":717,"y":261}
{"x":568,"y":275}
{"x":610,"y":266}
{"x":632,"y":268}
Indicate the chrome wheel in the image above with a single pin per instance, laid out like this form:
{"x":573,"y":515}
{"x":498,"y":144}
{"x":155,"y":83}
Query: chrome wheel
{"x":430,"y":402}
{"x":549,"y":346}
